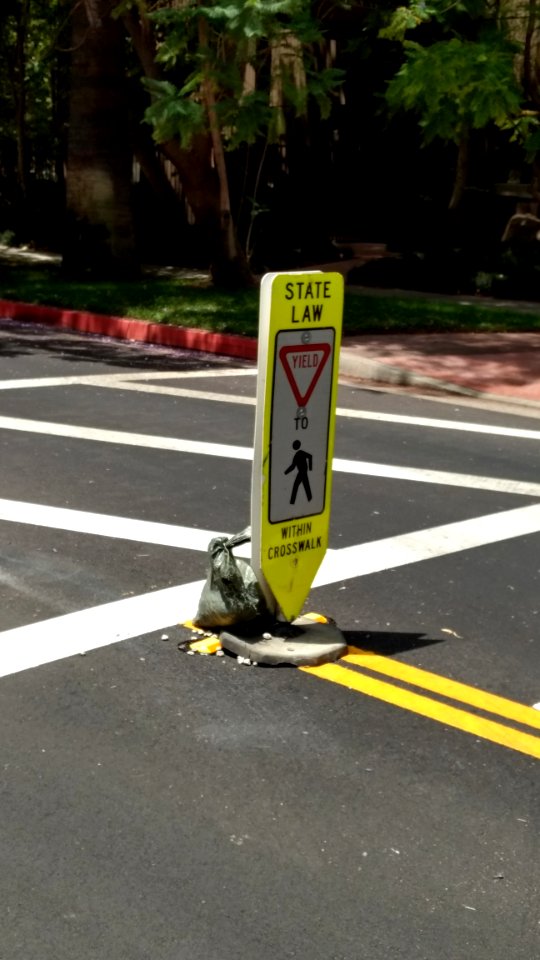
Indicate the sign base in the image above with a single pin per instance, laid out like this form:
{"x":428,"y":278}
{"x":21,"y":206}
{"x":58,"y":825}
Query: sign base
{"x":302,"y":643}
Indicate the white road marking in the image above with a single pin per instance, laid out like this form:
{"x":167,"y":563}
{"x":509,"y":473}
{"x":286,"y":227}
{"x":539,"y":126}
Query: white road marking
{"x":419,"y":475}
{"x":105,"y":525}
{"x":366,"y":558}
{"x":129,"y":439}
{"x":30,"y":382}
{"x":38,"y":643}
{"x":212,"y":372}
{"x":464,"y":426}
{"x":138,"y":382}
{"x":182,"y":392}
{"x":112,"y":379}
{"x":359,"y":467}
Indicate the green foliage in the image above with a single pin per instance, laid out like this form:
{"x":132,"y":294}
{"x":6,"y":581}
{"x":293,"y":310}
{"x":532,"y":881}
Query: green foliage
{"x":322,"y":85}
{"x":28,"y":61}
{"x":244,"y":19}
{"x":245,"y":121}
{"x":239,"y":33}
{"x":443,"y":12}
{"x":172,"y":113}
{"x":462,"y":76}
{"x":524,"y":129}
{"x":456,"y":85}
{"x":254,"y":18}
{"x":406,"y":18}
{"x":530,"y":138}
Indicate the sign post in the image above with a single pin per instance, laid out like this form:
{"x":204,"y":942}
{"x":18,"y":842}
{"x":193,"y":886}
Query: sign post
{"x":299,"y":341}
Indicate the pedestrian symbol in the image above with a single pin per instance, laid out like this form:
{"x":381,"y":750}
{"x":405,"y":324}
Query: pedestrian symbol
{"x":302,"y":462}
{"x":303,"y":375}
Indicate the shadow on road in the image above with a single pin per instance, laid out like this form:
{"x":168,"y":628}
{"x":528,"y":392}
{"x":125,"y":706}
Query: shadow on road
{"x":388,"y":643}
{"x":20,"y":339}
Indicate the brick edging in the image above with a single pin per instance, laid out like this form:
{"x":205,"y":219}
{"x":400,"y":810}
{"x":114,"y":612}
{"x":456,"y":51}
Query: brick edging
{"x":125,"y":328}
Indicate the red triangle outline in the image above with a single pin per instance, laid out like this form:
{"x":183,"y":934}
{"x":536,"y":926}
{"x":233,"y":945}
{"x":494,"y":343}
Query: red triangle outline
{"x":303,"y":398}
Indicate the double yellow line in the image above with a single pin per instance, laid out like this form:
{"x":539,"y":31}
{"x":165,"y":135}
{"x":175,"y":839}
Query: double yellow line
{"x":452,"y":716}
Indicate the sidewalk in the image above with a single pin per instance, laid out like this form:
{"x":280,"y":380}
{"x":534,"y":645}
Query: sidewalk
{"x":492,"y":365}
{"x":504,"y":366}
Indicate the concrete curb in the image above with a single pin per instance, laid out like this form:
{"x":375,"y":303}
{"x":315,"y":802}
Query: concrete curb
{"x":365,"y":368}
{"x":376,"y":371}
{"x":232,"y":345}
{"x":228,"y":345}
{"x":125,"y":328}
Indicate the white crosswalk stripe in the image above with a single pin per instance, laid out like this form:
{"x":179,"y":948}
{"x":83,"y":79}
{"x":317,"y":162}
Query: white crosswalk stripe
{"x":38,"y":643}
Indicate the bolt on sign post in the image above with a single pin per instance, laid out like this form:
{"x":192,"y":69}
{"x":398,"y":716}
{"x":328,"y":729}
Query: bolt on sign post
{"x":299,"y":341}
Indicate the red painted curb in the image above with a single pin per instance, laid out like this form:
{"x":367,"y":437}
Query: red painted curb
{"x":124,"y":328}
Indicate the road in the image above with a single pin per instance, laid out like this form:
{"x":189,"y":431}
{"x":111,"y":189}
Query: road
{"x":158,"y":806}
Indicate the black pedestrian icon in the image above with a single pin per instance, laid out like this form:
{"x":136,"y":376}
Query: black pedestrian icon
{"x":302,"y":462}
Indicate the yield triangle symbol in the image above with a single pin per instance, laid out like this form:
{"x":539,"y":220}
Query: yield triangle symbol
{"x":303,"y":365}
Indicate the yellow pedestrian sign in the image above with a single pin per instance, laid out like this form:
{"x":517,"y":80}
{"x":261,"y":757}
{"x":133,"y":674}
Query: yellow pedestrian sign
{"x":299,"y":341}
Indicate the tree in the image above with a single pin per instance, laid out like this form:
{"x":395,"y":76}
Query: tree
{"x":28,"y":135}
{"x":222,"y":76}
{"x":459,"y":83}
{"x":522,"y":18}
{"x":99,"y":236}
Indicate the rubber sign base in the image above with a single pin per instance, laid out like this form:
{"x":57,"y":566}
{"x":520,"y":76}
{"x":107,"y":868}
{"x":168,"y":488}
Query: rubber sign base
{"x":300,"y":643}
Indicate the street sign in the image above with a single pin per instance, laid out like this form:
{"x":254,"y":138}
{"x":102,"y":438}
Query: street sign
{"x":299,"y":340}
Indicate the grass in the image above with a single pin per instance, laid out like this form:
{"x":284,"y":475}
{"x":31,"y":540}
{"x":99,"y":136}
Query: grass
{"x":194,"y":303}
{"x":385,"y":313}
{"x":185,"y":303}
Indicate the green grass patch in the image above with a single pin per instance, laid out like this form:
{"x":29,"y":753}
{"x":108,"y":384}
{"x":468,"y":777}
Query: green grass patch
{"x":387,"y":313}
{"x":184,"y":303}
{"x":194,"y":303}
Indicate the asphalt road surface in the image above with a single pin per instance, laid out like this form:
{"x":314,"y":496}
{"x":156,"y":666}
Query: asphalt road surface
{"x":159,"y":806}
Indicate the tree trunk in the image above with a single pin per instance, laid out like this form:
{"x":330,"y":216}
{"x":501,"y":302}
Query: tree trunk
{"x":100,"y":237}
{"x":13,"y":40}
{"x":462,"y":169}
{"x":20,"y":98}
{"x":205,"y":185}
{"x":521,"y":20}
{"x":233,"y":269}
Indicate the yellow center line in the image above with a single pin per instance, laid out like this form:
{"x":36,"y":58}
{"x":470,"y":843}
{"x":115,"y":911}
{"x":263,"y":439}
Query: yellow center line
{"x":472,"y":696}
{"x":426,"y":707}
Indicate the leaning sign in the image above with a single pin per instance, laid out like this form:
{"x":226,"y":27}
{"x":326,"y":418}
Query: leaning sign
{"x":299,"y":340}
